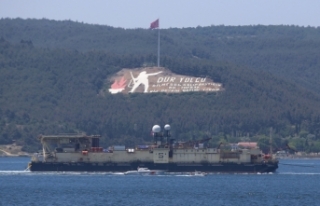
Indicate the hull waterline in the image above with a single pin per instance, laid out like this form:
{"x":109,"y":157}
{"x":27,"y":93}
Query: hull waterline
{"x":107,"y":167}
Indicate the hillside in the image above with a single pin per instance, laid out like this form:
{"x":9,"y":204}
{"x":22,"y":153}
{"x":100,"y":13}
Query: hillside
{"x":12,"y":150}
{"x":289,"y":52}
{"x":57,"y":91}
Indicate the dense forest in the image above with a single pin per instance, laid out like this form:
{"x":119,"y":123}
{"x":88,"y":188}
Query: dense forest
{"x":290,"y":52}
{"x":52,"y":74}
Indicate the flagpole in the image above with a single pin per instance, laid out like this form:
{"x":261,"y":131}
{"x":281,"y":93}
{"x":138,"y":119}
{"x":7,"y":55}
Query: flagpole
{"x":159,"y":46}
{"x":155,"y":25}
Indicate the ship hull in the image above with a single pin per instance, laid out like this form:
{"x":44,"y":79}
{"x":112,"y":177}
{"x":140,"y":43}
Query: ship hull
{"x":170,"y":167}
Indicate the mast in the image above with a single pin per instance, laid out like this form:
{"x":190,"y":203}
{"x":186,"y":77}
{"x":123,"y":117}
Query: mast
{"x":271,"y":141}
{"x":158,"y":46}
{"x":156,"y":25}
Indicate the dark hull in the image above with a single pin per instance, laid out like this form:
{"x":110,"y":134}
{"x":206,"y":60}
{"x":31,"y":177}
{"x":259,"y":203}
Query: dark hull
{"x":107,"y":167}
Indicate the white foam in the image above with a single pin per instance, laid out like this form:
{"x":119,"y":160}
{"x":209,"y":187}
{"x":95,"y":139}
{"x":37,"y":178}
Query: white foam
{"x":27,"y":172}
{"x":299,"y":173}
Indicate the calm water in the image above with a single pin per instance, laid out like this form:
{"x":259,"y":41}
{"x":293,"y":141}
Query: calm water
{"x":295,"y":183}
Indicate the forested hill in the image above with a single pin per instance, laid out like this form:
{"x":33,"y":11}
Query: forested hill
{"x":55,"y":91}
{"x":290,"y":52}
{"x":51,"y":88}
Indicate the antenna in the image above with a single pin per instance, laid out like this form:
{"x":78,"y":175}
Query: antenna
{"x":158,"y":62}
{"x":271,"y":141}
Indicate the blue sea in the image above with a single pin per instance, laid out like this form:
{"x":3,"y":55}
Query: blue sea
{"x":296,"y":182}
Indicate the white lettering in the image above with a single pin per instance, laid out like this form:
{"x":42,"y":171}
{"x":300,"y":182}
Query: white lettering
{"x":166,"y":79}
{"x":188,"y":79}
{"x":160,"y":79}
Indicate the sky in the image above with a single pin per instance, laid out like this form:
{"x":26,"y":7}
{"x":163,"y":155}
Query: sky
{"x":132,"y":14}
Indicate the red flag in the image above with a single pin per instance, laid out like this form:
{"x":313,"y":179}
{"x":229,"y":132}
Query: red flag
{"x":154,"y":24}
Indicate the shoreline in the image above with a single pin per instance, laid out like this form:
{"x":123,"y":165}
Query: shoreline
{"x":279,"y":158}
{"x":16,"y":156}
{"x":4,"y":153}
{"x":299,"y":156}
{"x":306,"y":157}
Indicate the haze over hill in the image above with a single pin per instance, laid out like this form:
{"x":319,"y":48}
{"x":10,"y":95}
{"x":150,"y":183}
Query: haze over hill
{"x":52,"y":74}
{"x":173,"y":14}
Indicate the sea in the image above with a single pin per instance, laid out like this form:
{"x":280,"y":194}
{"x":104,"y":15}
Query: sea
{"x":296,"y":182}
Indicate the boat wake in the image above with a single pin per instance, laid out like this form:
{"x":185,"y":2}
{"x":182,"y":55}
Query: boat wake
{"x":14,"y":172}
{"x":27,"y":172}
{"x":299,"y":173}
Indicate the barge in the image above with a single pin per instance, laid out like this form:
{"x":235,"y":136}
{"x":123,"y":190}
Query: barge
{"x":83,"y":153}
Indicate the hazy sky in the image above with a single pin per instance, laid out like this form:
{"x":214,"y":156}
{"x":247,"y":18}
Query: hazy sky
{"x":172,"y":13}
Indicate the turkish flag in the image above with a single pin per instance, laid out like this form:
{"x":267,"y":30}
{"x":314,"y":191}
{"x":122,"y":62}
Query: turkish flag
{"x":154,"y":24}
